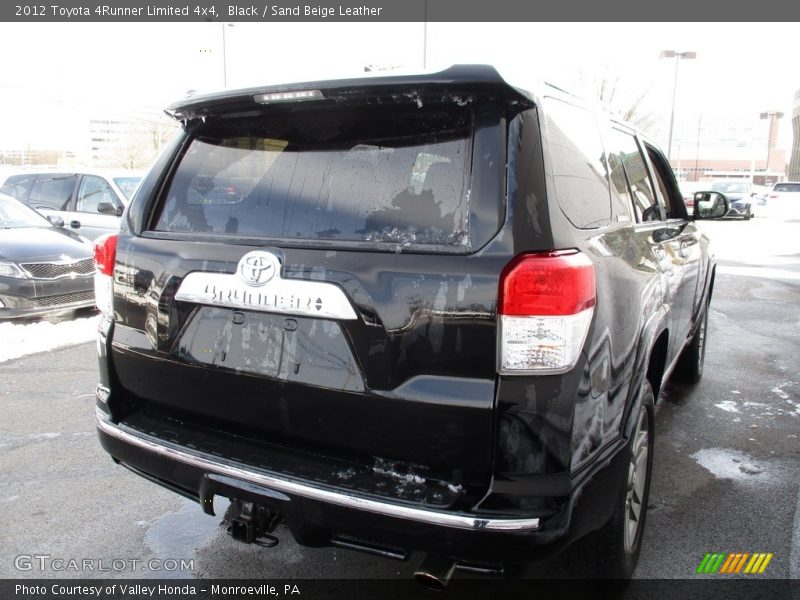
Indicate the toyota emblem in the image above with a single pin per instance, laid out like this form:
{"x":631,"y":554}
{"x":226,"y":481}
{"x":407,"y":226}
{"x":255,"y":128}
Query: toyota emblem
{"x":257,"y":267}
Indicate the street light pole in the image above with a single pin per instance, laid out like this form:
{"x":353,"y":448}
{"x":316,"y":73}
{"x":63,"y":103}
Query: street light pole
{"x":697,"y":149}
{"x":225,"y":55}
{"x":771,"y":115}
{"x":224,"y":59}
{"x":686,"y":55}
{"x":425,"y":38}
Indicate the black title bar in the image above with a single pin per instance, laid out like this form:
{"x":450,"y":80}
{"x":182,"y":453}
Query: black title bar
{"x":398,"y":10}
{"x":720,"y":588}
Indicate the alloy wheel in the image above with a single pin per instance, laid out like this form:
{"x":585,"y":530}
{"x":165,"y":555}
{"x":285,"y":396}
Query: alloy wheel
{"x":637,"y":479}
{"x":701,"y":342}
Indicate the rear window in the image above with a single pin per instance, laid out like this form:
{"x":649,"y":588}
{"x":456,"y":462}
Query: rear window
{"x":19,"y":186}
{"x":369,"y":174}
{"x":786,"y":187}
{"x":577,"y":156}
{"x":128,"y":185}
{"x":729,"y":187}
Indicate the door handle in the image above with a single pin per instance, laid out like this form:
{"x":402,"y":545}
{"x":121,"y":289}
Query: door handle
{"x":75,"y":224}
{"x":685,"y":247}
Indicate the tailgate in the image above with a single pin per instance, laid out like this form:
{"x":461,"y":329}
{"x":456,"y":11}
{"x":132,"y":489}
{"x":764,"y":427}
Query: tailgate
{"x":312,"y":276}
{"x":409,"y":378}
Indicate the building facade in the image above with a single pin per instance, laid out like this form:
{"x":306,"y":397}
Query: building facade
{"x":728,"y":146}
{"x":129,"y":139}
{"x":793,"y":172}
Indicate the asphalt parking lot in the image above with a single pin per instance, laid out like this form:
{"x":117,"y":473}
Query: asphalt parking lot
{"x":727,"y":462}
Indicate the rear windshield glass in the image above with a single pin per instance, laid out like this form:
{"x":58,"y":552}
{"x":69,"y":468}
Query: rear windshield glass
{"x":368,"y":174}
{"x":728,"y":187}
{"x":18,"y":186}
{"x":128,"y":185}
{"x":786,"y":187}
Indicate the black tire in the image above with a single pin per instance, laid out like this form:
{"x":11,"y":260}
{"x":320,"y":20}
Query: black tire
{"x":613,"y":551}
{"x":748,"y":215}
{"x":690,"y":365}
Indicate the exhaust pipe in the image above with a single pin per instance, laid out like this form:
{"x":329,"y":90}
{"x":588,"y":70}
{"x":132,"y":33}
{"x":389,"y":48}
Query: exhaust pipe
{"x":435,"y":572}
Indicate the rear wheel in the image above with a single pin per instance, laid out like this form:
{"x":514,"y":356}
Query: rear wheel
{"x":690,"y":365}
{"x":613,"y":551}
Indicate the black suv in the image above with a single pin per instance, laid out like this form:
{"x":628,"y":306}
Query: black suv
{"x":404,"y":313}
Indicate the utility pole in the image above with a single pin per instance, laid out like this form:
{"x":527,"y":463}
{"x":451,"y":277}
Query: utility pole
{"x":772,"y":115}
{"x":686,"y":55}
{"x":425,"y":38}
{"x":225,"y":55}
{"x":697,"y":149}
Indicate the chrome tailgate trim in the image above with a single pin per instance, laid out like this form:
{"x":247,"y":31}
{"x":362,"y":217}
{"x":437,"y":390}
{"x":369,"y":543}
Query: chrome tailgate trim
{"x":215,"y":465}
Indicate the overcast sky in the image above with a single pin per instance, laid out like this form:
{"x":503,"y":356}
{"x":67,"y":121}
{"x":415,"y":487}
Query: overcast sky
{"x":53,"y":74}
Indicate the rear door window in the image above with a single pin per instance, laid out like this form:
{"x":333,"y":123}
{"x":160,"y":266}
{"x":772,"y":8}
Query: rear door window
{"x":786,"y":187}
{"x":368,"y":174}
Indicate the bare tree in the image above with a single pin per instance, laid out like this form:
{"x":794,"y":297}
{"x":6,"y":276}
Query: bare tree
{"x":142,"y":143}
{"x":610,"y":90}
{"x":131,"y":152}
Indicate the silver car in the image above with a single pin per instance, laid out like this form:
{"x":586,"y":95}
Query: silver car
{"x":86,"y":202}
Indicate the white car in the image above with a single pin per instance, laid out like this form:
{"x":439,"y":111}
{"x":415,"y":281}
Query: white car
{"x":783,"y":200}
{"x":86,"y":202}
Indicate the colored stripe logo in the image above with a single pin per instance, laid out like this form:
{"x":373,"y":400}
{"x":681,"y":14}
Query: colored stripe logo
{"x":734,"y":563}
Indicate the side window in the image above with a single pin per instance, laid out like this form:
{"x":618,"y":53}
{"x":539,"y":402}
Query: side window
{"x":621,"y":198}
{"x":19,"y":186}
{"x":53,"y":191}
{"x":577,"y":154}
{"x":666,"y":187}
{"x":624,"y":149}
{"x":92,"y":191}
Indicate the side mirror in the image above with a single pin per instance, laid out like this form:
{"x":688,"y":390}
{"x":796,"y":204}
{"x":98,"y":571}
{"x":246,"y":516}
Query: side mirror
{"x":710,"y":205}
{"x":106,"y":208}
{"x":56,"y":220}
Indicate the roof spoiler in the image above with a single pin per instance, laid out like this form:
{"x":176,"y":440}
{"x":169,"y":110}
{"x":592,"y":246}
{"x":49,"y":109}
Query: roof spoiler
{"x":459,"y":84}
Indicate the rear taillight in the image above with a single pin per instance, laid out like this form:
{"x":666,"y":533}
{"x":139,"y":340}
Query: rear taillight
{"x":105,"y":256}
{"x":545,"y":304}
{"x":105,"y":253}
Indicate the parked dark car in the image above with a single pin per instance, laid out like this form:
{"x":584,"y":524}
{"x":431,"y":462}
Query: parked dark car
{"x":87,"y":202}
{"x":436,"y":316}
{"x":44,"y":269}
{"x":739,"y":194}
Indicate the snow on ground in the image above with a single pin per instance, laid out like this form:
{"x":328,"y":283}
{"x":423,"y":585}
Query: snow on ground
{"x":728,"y":406}
{"x":761,"y":244}
{"x":20,"y":339}
{"x":724,"y":463}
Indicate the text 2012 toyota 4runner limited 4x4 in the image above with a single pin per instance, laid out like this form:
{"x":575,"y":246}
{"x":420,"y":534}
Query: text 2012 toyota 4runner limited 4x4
{"x":409,"y":313}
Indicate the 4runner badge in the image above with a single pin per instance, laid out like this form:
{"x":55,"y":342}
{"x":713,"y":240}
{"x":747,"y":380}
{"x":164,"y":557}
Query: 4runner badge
{"x":257,"y":267}
{"x":257,"y":285}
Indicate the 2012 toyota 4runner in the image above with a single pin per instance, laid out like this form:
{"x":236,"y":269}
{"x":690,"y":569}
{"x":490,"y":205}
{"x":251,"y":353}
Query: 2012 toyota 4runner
{"x":404,"y":313}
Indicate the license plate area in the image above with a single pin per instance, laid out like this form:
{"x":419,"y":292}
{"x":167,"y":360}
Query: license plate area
{"x":289,"y":348}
